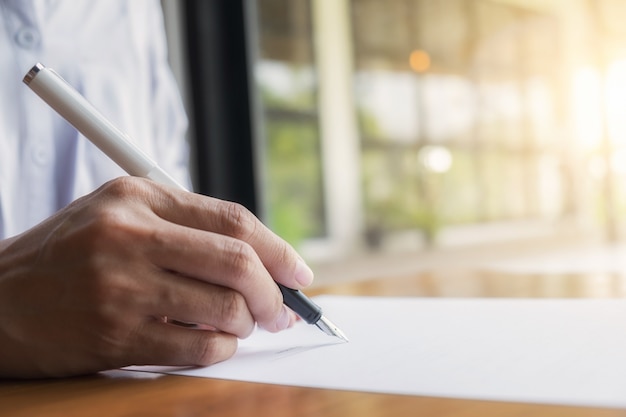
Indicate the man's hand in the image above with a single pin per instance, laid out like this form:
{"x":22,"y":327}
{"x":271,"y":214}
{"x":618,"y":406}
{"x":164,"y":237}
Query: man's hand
{"x":88,"y":289}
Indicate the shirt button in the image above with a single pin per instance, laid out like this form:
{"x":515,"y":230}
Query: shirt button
{"x":40,"y":156}
{"x":27,"y":37}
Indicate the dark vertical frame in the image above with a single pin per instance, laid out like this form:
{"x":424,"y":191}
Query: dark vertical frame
{"x":219,"y":74}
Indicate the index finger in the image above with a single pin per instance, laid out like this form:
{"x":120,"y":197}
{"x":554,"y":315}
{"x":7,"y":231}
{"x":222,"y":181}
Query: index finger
{"x":232,"y":219}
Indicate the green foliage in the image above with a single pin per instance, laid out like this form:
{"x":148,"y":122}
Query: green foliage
{"x":294,"y":180}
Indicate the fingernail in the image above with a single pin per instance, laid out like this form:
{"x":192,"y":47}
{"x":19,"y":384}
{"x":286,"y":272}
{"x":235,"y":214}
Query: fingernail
{"x":304,"y":274}
{"x":283,"y":319}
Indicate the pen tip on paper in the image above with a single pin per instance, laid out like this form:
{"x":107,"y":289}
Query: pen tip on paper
{"x":330,"y":329}
{"x":342,"y":336}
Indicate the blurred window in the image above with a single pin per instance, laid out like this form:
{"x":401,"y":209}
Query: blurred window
{"x":465,"y":112}
{"x":287,"y":83}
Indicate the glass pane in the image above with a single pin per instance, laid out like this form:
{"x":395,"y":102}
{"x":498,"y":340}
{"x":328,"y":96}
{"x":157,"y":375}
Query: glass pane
{"x":388,"y":105}
{"x":286,"y":79}
{"x":474,"y":82}
{"x":463,"y":113}
{"x":295,"y":193}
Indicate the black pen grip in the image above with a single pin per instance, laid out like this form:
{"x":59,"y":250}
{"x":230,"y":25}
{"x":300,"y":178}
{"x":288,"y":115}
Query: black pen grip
{"x":301,"y":304}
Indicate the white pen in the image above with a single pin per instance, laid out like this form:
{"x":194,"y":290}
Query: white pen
{"x":70,"y":104}
{"x":74,"y":108}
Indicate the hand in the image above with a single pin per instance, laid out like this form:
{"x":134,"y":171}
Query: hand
{"x":87,"y":289}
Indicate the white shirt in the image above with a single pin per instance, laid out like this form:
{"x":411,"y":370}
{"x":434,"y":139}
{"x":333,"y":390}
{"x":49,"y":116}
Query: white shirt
{"x":113,"y":52}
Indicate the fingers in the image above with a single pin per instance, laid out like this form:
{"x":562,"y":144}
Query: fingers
{"x":280,"y":259}
{"x":165,"y":344}
{"x":219,"y":243}
{"x":192,"y":301}
{"x":230,"y":219}
{"x":226,"y":264}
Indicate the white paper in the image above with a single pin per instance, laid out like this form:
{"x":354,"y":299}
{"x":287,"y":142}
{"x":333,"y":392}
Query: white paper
{"x":543,"y":351}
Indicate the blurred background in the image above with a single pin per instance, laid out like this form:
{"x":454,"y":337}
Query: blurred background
{"x":387,"y":136}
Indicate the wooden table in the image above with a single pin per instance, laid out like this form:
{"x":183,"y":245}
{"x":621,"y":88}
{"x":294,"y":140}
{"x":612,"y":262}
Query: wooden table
{"x":122,"y":393}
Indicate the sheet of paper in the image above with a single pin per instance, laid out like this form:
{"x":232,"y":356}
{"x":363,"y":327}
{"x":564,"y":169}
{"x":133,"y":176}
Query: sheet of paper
{"x":542,"y":351}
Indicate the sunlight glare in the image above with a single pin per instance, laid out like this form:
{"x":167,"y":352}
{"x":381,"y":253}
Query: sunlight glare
{"x":435,"y":158}
{"x":586,"y":107}
{"x":616,"y":101}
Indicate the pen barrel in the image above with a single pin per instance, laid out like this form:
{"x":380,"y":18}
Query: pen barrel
{"x":301,"y":304}
{"x":81,"y":114}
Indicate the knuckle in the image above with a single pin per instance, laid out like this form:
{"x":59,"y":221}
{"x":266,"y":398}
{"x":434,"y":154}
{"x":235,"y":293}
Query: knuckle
{"x":118,"y":224}
{"x":109,"y":231}
{"x":205,"y":349}
{"x":109,"y":220}
{"x":232,"y":307}
{"x":242,"y":259}
{"x":239,"y":222}
{"x":125,"y":187}
{"x":285,"y":254}
{"x":157,"y":238}
{"x":93,"y":222}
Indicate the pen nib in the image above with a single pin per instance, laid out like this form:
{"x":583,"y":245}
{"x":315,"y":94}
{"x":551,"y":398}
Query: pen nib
{"x":330,"y":329}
